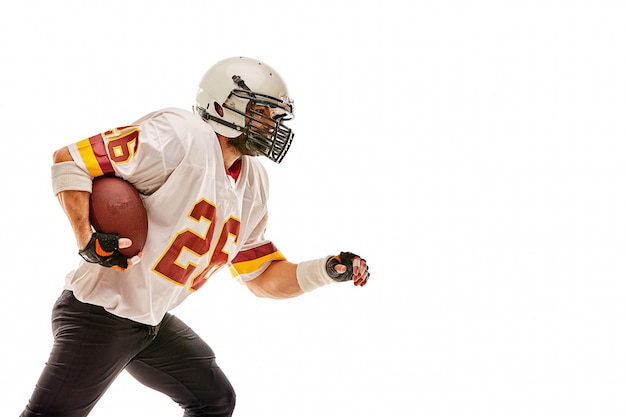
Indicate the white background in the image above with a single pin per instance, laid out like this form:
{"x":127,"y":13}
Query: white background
{"x":472,"y":151}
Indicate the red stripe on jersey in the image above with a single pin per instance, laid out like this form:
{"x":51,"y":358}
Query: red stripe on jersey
{"x":255,"y":253}
{"x":99,"y":150}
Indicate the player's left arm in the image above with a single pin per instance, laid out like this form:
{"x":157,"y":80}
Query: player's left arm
{"x":277,"y":281}
{"x":283,"y":279}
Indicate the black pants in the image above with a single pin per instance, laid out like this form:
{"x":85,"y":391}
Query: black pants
{"x":91,"y":348}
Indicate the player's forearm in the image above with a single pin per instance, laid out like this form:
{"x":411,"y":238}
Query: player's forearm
{"x":277,"y":281}
{"x":75,"y":204}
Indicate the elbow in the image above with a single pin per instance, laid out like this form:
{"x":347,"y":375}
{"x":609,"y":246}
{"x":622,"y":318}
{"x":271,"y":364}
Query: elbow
{"x":62,"y":155}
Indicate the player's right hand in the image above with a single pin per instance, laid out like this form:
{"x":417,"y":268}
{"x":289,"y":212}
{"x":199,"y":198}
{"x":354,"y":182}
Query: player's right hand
{"x":103,"y":249}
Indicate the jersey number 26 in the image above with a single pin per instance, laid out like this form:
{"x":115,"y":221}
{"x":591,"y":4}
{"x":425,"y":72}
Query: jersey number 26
{"x":170,"y":267}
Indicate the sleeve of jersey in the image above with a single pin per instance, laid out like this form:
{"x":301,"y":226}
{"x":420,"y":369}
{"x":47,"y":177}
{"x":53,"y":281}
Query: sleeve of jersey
{"x":143,"y":153}
{"x":251,"y":262}
{"x":99,"y":154}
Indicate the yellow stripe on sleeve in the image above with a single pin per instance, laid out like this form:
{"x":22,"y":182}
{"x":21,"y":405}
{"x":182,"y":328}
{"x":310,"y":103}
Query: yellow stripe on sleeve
{"x":89,"y":158}
{"x":247,"y":267}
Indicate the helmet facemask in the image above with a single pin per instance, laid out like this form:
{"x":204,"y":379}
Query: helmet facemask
{"x":263,"y":116}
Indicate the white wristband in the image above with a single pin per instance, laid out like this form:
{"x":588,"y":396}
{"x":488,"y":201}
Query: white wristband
{"x":69,"y":176}
{"x":312,"y":274}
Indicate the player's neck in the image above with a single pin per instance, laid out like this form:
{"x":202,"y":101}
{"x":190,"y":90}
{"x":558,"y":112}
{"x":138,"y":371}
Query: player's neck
{"x":229,"y":154}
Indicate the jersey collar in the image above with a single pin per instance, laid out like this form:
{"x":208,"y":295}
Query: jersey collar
{"x":234,"y":170}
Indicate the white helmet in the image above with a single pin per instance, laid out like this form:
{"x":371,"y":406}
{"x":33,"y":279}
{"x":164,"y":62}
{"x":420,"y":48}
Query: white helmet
{"x":228,"y":94}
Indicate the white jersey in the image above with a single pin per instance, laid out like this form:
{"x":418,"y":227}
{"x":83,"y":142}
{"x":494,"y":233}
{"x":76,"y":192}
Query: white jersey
{"x":200,"y":218}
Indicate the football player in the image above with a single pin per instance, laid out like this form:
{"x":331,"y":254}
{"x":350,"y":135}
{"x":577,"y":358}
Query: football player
{"x":205,"y":194}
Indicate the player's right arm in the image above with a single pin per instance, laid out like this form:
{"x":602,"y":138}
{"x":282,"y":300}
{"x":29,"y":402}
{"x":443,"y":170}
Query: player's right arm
{"x":93,"y":247}
{"x":75,"y":204}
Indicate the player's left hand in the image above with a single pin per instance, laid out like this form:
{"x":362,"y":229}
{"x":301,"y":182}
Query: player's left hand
{"x":348,"y":267}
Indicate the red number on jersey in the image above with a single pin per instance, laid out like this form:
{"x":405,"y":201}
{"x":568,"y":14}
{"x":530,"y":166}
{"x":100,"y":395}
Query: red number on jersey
{"x":220,"y":256}
{"x":169,"y":265}
{"x":122,"y":143}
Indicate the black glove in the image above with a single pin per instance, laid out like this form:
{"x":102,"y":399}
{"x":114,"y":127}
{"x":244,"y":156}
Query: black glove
{"x":344,"y":258}
{"x":102,"y":249}
{"x":360,"y":276}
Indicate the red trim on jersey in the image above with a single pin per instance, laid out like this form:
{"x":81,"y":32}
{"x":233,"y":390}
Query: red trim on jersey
{"x":235,"y":169}
{"x":255,"y":253}
{"x":100,"y":152}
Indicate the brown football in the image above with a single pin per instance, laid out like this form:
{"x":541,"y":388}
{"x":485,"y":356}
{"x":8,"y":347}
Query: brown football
{"x":116,"y":207}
